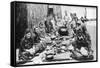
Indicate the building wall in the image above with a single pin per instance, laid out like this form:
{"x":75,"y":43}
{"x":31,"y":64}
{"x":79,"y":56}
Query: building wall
{"x":36,"y":13}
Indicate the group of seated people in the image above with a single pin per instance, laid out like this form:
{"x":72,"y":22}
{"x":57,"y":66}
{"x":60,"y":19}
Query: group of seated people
{"x":72,"y":32}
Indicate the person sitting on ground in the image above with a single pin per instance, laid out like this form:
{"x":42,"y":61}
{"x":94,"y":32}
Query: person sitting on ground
{"x":83,"y":43}
{"x":26,"y":45}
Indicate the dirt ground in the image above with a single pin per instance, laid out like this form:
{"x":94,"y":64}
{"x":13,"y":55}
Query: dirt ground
{"x":91,"y":27}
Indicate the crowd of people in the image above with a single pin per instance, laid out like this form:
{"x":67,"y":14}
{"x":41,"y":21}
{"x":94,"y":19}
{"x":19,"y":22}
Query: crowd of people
{"x":56,"y":35}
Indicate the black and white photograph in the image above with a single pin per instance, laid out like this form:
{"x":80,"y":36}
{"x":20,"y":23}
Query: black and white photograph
{"x":47,"y":33}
